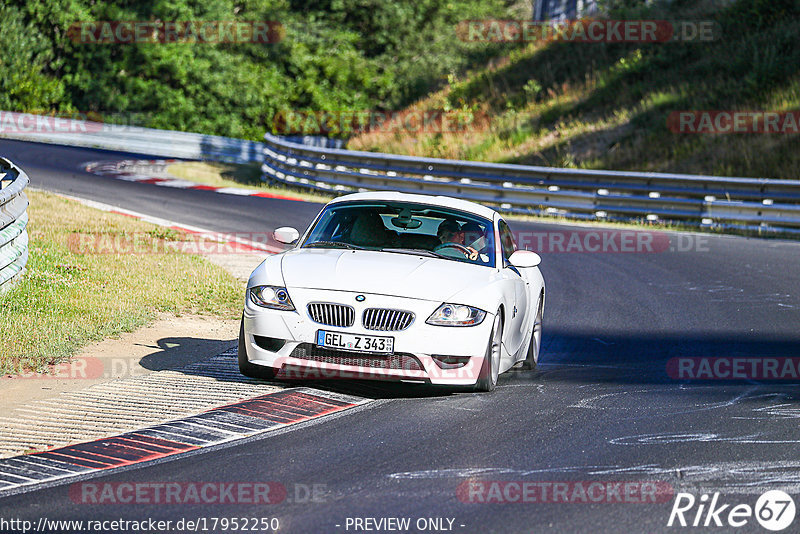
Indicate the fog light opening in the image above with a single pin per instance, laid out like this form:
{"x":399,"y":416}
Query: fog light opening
{"x":271,"y":344}
{"x":450,"y":362}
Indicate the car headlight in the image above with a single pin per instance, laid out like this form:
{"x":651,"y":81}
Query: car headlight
{"x":274,"y":297}
{"x":456,"y":315}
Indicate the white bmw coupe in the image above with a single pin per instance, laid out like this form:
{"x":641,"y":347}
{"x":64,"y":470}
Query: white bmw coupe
{"x":395,"y":286}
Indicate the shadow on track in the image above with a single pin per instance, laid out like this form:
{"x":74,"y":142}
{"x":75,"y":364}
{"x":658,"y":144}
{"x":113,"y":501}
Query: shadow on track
{"x":568,"y":356}
{"x":609,"y":357}
{"x":179,"y":354}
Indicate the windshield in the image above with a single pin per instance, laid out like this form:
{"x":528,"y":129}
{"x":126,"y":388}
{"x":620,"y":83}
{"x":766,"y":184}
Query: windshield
{"x":399,"y":228}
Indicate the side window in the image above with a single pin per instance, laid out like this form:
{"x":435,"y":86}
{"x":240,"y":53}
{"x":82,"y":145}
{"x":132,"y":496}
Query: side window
{"x":506,"y":240}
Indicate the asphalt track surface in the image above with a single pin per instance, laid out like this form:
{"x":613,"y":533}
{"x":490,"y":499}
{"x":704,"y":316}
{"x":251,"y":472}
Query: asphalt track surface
{"x":600,"y":408}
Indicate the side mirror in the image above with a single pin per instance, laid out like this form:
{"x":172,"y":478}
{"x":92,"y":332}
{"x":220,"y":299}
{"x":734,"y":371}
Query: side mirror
{"x":523,"y":259}
{"x":286,"y":235}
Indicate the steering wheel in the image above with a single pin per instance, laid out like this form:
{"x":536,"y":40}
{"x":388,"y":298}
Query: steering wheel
{"x":461,"y":248}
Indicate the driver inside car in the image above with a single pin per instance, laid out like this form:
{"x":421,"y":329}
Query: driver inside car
{"x":452,"y":238}
{"x":475,"y":236}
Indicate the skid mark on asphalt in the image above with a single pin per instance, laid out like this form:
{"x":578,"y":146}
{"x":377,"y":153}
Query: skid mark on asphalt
{"x":706,"y":437}
{"x":610,"y":400}
{"x":720,"y":292}
{"x":780,"y":411}
{"x":466,"y":472}
{"x":589,"y":402}
{"x":223,"y":424}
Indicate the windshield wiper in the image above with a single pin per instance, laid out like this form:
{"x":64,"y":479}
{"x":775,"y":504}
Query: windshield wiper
{"x":418,"y":252}
{"x":323,"y":244}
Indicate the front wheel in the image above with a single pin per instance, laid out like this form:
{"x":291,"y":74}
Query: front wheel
{"x":249,"y":369}
{"x":490,"y":370}
{"x":535,"y":345}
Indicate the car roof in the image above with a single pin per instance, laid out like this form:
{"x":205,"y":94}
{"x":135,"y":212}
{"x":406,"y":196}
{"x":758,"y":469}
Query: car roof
{"x":431,"y":200}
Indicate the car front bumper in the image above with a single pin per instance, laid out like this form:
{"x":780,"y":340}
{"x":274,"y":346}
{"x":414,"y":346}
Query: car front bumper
{"x":298,"y":357}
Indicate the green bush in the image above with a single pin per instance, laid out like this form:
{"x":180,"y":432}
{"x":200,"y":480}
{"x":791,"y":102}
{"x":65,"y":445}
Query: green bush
{"x":336,"y":55}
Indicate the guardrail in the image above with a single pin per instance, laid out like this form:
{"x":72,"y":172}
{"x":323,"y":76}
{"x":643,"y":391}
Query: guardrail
{"x":125,"y":138}
{"x":13,"y":223}
{"x":707,"y":201}
{"x":761,"y":204}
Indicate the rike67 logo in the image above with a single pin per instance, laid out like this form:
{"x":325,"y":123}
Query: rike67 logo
{"x":774,"y":510}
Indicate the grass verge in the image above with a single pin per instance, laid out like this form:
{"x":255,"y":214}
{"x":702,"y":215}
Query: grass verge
{"x":69,"y":298}
{"x":247,"y":176}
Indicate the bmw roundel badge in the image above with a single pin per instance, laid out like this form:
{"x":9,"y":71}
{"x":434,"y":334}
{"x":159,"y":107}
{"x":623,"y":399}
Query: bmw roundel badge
{"x":360,"y":298}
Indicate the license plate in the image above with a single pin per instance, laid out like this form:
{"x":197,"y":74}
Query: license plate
{"x":355,"y":342}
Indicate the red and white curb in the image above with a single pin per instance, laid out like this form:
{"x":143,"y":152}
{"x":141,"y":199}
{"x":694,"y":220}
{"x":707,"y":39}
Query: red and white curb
{"x":121,"y":170}
{"x":234,"y":243}
{"x":224,"y":424}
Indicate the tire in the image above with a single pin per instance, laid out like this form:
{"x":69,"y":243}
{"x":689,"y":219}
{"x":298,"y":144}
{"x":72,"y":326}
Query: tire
{"x":249,"y":369}
{"x":487,"y":380}
{"x":535,"y":345}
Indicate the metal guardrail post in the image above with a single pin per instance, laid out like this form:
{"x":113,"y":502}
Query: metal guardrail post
{"x":13,"y":223}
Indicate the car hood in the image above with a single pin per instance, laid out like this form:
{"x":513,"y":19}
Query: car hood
{"x":383,"y":273}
